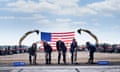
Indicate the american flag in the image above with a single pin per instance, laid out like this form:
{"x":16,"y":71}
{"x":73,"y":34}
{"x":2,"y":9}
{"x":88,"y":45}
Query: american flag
{"x":51,"y":38}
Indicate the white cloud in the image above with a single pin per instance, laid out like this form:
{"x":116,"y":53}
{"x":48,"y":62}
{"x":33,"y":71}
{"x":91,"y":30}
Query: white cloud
{"x":22,"y":6}
{"x":60,"y":24}
{"x":39,"y":16}
{"x":107,"y":7}
{"x":14,"y":17}
{"x":31,"y":6}
{"x":64,"y":3}
{"x":79,"y":23}
{"x":46,"y":7}
{"x":54,"y":26}
{"x":63,"y":7}
{"x":7,"y":17}
{"x":61,"y":20}
{"x":66,"y":7}
{"x":44,"y":22}
{"x":34,"y":16}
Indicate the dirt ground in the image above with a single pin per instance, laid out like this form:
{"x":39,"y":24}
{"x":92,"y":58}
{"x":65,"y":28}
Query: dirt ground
{"x":82,"y":57}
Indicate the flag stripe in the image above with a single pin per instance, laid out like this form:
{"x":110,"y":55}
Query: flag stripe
{"x":66,"y":41}
{"x":65,"y":38}
{"x":63,"y":33}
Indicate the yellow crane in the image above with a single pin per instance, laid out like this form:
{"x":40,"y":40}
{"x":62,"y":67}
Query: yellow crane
{"x":90,"y":33}
{"x":26,"y":34}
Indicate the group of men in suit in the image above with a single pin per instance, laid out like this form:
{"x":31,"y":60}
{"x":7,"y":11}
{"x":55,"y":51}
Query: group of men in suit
{"x":62,"y":49}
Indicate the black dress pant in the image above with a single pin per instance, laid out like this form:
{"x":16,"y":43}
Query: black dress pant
{"x":73,"y":57}
{"x":32,"y":61}
{"x":91,"y":57}
{"x":48,"y":57}
{"x":64,"y":57}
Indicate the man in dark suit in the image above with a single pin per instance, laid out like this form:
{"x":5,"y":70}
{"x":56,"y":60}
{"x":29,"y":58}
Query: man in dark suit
{"x":61,"y":48}
{"x":91,"y":49}
{"x":48,"y":50}
{"x":73,"y":51}
{"x":32,"y":52}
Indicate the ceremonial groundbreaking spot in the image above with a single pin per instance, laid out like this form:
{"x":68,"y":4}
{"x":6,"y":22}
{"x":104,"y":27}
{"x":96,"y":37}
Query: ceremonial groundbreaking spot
{"x":82,"y":58}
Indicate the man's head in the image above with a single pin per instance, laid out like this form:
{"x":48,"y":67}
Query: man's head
{"x":34,"y":45}
{"x":45,"y":42}
{"x":74,"y":39}
{"x":87,"y":43}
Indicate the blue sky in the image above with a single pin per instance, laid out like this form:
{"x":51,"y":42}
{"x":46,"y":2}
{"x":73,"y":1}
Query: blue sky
{"x":102,"y":17}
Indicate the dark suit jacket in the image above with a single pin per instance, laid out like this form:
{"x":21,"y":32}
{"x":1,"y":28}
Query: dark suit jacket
{"x":32,"y":51}
{"x":73,"y":46}
{"x":61,"y":46}
{"x":47,"y":48}
{"x":91,"y":48}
